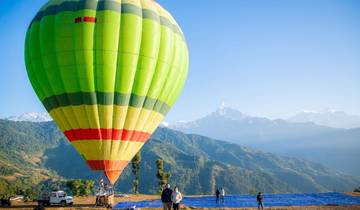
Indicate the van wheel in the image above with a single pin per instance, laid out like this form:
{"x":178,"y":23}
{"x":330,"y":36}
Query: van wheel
{"x":63,"y":203}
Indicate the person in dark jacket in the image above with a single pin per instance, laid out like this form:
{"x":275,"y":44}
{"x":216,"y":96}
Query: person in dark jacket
{"x":217,"y":193}
{"x":259,"y":199}
{"x":166,"y":197}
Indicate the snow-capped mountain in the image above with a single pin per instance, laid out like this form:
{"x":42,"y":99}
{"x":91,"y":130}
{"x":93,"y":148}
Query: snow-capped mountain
{"x":221,"y":113}
{"x":330,"y":118}
{"x":230,"y":113}
{"x":31,"y":117}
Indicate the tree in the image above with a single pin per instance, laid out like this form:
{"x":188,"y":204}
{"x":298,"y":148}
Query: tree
{"x":6,"y":190}
{"x":135,"y":169}
{"x":161,"y":174}
{"x":357,"y":190}
{"x":80,"y":187}
{"x":86,"y":187}
{"x":31,"y":194}
{"x":74,"y":186}
{"x":252,"y":191}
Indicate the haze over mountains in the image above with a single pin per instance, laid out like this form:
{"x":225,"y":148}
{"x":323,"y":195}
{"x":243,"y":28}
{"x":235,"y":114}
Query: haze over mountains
{"x":330,"y":118}
{"x":335,"y":147}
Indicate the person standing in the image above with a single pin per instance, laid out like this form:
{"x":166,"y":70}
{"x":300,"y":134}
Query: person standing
{"x":217,"y":193}
{"x":176,"y":198}
{"x":259,"y":199}
{"x":166,"y":197}
{"x":222,"y":192}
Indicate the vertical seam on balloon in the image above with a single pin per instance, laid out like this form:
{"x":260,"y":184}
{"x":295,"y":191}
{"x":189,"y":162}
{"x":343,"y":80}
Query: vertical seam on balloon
{"x":152,"y":79}
{"x":103,"y":109}
{"x":38,"y":37}
{"x":141,"y":107}
{"x":115,"y":83}
{"x":174,"y":68}
{"x":28,"y":65}
{"x":32,"y":65}
{"x":170,"y":69}
{"x":85,"y":110}
{"x":45,"y":73}
{"x":100,"y":149}
{"x":95,"y":108}
{"x":126,"y":144}
{"x":182,"y":79}
{"x":30,"y":69}
{"x":179,"y":81}
{"x":73,"y":37}
{"x":129,"y":100}
{"x":35,"y":75}
{"x":59,"y":73}
{"x":113,"y":95}
{"x":150,"y":117}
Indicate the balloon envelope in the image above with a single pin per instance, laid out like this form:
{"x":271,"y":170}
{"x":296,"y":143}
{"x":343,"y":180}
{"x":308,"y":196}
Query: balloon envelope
{"x":107,"y":72}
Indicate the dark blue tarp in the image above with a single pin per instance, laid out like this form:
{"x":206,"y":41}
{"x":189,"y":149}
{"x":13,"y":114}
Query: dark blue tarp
{"x":234,"y":201}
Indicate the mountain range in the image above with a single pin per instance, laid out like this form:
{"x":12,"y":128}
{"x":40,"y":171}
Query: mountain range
{"x":31,"y":153}
{"x":330,"y":118}
{"x":334,"y":147}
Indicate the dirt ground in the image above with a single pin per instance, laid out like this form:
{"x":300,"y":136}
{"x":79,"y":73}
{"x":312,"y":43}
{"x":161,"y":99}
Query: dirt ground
{"x":87,"y":203}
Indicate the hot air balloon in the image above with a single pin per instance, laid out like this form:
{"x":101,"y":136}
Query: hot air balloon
{"x":108,"y":72}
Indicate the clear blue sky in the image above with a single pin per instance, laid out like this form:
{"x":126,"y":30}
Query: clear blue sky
{"x":265,"y":58}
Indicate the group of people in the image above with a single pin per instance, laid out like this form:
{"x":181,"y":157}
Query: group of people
{"x":171,"y":198}
{"x":218,"y":193}
{"x":220,"y":196}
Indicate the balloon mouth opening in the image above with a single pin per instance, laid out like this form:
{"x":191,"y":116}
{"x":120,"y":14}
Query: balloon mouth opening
{"x":112,"y":169}
{"x":112,"y":176}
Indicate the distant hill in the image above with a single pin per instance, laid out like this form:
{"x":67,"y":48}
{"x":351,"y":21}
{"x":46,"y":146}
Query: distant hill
{"x":38,"y":151}
{"x":333,"y":147}
{"x":22,"y":145}
{"x":330,"y":118}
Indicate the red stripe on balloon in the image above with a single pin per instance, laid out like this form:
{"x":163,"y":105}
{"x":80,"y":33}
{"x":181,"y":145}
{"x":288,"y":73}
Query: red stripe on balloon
{"x":107,"y":165}
{"x":85,"y":19}
{"x":90,"y":19}
{"x":107,"y":134}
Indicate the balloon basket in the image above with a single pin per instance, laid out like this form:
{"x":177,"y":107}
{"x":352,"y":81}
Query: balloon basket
{"x":105,"y":201}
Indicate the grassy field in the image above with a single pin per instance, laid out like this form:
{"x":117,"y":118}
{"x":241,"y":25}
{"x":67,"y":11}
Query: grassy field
{"x":87,"y":203}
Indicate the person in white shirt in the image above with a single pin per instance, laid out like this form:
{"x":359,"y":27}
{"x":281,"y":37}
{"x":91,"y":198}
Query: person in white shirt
{"x":176,"y":198}
{"x":222,"y":193}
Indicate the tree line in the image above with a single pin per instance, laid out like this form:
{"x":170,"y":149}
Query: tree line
{"x":76,"y":187}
